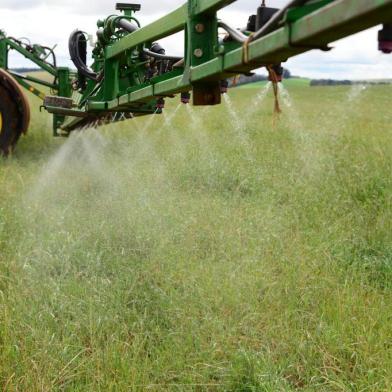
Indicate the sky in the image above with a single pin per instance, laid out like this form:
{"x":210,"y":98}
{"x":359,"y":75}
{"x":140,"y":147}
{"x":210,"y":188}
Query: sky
{"x":50,"y":22}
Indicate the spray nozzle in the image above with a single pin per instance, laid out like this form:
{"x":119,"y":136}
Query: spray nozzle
{"x":160,"y":105}
{"x":185,"y":97}
{"x":224,"y":86}
{"x":385,"y":39}
{"x":276,"y":73}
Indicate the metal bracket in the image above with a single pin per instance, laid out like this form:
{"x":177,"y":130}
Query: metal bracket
{"x":128,"y":6}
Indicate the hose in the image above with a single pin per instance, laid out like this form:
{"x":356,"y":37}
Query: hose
{"x":78,"y":42}
{"x":126,"y":25}
{"x":272,"y":24}
{"x":162,"y":57}
{"x":156,"y":51}
{"x":237,"y":35}
{"x":51,"y":53}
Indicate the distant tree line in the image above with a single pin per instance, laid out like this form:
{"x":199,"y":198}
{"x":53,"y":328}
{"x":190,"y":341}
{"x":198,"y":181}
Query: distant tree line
{"x":243,"y":79}
{"x":332,"y":82}
{"x":25,"y":70}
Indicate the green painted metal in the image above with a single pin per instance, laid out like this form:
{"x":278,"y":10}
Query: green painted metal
{"x":3,"y":51}
{"x":206,"y":61}
{"x":22,"y":81}
{"x":209,"y":6}
{"x":32,"y":57}
{"x":299,"y":12}
{"x":32,"y":79}
{"x":34,"y":54}
{"x":317,"y":27}
{"x":131,"y":82}
{"x":170,"y":24}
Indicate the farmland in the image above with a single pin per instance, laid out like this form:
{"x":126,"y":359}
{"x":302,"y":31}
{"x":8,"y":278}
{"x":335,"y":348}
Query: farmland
{"x":203,"y":250}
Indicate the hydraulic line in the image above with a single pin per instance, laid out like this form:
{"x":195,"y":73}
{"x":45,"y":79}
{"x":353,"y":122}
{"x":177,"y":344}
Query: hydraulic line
{"x":270,"y":26}
{"x":237,"y":35}
{"x":126,"y":25}
{"x":158,"y":54}
{"x":30,"y":48}
{"x":78,"y":42}
{"x":51,"y":53}
{"x":163,"y":57}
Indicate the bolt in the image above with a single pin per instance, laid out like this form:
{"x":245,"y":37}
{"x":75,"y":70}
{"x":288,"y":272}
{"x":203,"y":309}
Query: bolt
{"x":198,"y":53}
{"x":199,"y":28}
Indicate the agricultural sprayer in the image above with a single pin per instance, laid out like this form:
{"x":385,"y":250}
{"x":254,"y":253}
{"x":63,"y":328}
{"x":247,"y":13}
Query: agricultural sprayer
{"x":131,"y":74}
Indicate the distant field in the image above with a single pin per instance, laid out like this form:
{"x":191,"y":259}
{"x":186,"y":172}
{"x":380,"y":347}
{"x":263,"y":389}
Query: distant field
{"x":208,"y":252}
{"x":293,"y":82}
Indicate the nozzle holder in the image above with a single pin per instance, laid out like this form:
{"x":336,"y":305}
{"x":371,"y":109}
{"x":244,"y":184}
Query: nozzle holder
{"x":185,"y":98}
{"x":263,"y":16}
{"x":224,"y":86}
{"x":385,"y":39}
{"x":160,"y":105}
{"x":279,"y":70}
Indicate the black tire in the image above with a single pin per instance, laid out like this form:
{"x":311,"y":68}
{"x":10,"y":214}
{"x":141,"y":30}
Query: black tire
{"x":14,"y":112}
{"x":9,"y":129}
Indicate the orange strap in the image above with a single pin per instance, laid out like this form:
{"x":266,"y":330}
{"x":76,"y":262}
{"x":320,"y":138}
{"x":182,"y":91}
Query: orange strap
{"x":275,"y":81}
{"x":245,"y":49}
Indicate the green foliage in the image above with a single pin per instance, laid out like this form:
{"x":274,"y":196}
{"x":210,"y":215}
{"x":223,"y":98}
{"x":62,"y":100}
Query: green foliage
{"x":207,"y":253}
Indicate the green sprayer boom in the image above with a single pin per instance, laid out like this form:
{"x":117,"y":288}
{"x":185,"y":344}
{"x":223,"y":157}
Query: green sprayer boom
{"x":131,"y":73}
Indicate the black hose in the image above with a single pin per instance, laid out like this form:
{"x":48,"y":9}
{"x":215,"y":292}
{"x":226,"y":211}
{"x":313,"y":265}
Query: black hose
{"x":156,"y":51}
{"x":163,"y":57}
{"x":51,"y":53}
{"x":127,"y":25}
{"x":30,"y":48}
{"x":78,"y":42}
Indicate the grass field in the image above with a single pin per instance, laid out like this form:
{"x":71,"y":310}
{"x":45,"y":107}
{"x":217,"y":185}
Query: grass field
{"x":289,"y":83}
{"x":210,"y":252}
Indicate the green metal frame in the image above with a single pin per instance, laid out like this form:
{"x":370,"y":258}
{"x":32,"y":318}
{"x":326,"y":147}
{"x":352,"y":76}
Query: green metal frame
{"x":62,"y":76}
{"x":305,"y":28}
{"x":118,"y":56}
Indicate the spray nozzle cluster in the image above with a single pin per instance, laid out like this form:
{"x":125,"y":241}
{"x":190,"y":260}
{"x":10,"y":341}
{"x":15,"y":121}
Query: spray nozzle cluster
{"x":185,"y":98}
{"x":385,"y":39}
{"x":275,"y":73}
{"x":160,"y":105}
{"x":224,"y":86}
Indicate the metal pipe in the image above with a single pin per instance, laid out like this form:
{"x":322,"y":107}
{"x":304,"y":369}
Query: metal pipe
{"x":34,"y":80}
{"x":127,"y":25}
{"x":78,"y":43}
{"x":237,"y":35}
{"x":131,"y":28}
{"x":159,"y":56}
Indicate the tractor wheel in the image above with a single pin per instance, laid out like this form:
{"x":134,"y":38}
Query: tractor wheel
{"x":14,"y":113}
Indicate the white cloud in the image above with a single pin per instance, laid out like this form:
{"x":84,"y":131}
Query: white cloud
{"x":105,"y":6}
{"x":51,"y":22}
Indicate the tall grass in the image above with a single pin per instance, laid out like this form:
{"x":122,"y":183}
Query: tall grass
{"x":203,"y":255}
